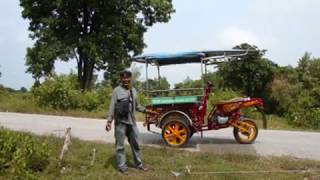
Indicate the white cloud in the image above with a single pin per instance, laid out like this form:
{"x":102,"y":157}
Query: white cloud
{"x":232,"y":36}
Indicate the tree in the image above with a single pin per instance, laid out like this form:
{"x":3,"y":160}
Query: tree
{"x":308,"y":71}
{"x":23,"y":89}
{"x":136,"y":73}
{"x":188,"y":83}
{"x":99,"y":34}
{"x":154,"y":85}
{"x":297,"y":92}
{"x":251,"y":74}
{"x":303,"y":65}
{"x":211,"y":77}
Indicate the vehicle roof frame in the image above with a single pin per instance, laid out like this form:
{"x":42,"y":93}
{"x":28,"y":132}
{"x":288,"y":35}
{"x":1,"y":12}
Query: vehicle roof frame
{"x":205,"y":59}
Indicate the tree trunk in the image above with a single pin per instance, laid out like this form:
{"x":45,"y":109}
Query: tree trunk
{"x":88,"y":74}
{"x":85,"y":71}
{"x":80,"y":69}
{"x":85,"y":64}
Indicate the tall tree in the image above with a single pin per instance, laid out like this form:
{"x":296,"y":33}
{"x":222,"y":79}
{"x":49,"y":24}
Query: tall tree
{"x":308,"y":70}
{"x":99,"y":34}
{"x":303,"y":65}
{"x":296,"y":92}
{"x":251,"y":74}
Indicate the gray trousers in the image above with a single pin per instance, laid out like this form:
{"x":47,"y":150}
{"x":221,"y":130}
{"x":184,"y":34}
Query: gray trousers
{"x":131,"y":131}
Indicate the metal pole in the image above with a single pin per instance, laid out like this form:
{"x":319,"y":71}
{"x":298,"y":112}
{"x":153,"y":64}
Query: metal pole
{"x":202,"y":73}
{"x":147,"y":84}
{"x":159,"y":80}
{"x":205,"y":73}
{"x":205,"y":69}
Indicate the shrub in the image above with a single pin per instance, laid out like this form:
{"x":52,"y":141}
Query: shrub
{"x":21,"y":154}
{"x":104,"y":95}
{"x":89,"y":100}
{"x":143,"y":100}
{"x":305,"y":118}
{"x":59,"y":93}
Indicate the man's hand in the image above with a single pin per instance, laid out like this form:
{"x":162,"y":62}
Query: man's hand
{"x":154,"y":116}
{"x":149,"y":111}
{"x":108,"y":126}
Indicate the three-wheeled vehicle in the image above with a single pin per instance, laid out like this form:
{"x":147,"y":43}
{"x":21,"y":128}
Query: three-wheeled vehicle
{"x":180,"y":117}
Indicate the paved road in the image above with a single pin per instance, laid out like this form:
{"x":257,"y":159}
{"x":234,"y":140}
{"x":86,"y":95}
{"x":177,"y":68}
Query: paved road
{"x":269,"y":142}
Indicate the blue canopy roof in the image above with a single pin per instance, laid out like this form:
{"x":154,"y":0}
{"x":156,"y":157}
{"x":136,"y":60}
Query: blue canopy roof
{"x":162,"y":59}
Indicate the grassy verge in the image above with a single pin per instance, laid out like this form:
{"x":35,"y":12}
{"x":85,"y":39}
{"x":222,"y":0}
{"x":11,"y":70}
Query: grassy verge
{"x":278,"y":123}
{"x":23,"y":103}
{"x":161,"y":161}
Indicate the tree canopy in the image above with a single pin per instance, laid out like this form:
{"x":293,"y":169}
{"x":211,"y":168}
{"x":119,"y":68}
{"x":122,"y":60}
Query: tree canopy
{"x":297,"y":92}
{"x":98,"y":34}
{"x":250,"y":75}
{"x":155,"y":84}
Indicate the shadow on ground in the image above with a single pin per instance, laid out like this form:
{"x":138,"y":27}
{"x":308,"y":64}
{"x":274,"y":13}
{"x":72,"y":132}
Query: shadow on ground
{"x":206,"y":144}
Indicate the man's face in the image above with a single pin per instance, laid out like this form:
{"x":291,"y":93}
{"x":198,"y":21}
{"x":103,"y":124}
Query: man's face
{"x":125,"y":81}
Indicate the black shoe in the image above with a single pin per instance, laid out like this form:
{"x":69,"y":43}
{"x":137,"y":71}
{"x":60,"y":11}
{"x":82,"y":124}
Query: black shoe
{"x":124,"y":171}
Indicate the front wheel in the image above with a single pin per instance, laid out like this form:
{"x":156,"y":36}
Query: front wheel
{"x":245,"y":131}
{"x":175,"y":133}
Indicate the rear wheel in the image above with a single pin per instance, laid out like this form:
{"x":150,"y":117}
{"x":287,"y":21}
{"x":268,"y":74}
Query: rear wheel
{"x":245,"y":131}
{"x":175,"y":133}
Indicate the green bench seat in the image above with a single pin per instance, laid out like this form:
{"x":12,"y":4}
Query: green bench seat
{"x":175,"y":100}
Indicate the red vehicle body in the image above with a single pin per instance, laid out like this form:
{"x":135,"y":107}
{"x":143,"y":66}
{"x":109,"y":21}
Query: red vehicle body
{"x":180,"y":121}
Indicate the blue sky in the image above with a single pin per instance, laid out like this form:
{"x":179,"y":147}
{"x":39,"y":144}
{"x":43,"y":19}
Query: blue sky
{"x":286,"y":28}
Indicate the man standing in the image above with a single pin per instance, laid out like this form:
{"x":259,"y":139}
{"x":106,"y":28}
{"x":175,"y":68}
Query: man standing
{"x":123,"y":104}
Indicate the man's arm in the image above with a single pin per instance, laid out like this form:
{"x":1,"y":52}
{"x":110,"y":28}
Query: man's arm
{"x":136,"y":100}
{"x":110,"y":115}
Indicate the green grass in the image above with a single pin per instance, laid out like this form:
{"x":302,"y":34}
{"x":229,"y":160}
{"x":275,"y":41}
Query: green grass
{"x":18,"y":102}
{"x":162,"y":161}
{"x":24,"y":103}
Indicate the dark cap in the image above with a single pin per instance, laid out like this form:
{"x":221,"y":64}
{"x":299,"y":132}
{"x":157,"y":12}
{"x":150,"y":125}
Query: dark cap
{"x":125,"y":73}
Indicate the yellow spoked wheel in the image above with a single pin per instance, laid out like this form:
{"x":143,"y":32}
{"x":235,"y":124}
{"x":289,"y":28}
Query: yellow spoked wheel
{"x":175,"y":133}
{"x":245,"y":131}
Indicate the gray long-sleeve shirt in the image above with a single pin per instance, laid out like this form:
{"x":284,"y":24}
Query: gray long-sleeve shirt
{"x":120,"y":93}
